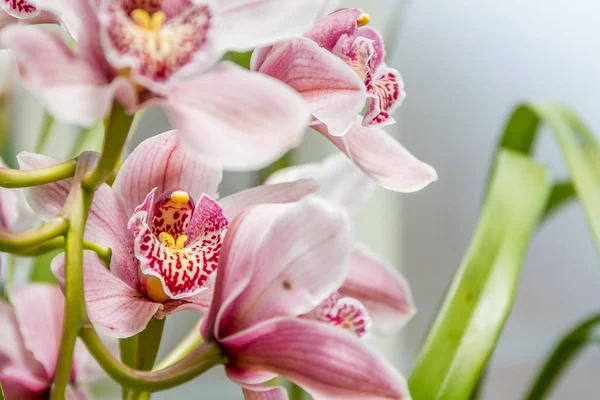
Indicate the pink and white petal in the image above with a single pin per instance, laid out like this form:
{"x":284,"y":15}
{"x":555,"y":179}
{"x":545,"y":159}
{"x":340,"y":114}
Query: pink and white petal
{"x":383,"y":159}
{"x":73,"y":90}
{"x":19,"y":8}
{"x":74,"y":393}
{"x":40,"y":308}
{"x":247,"y":24}
{"x":163,"y":162}
{"x":378,"y":56}
{"x":340,"y":181}
{"x":114,"y":308}
{"x":381,"y":289}
{"x":264,"y":392}
{"x":238,"y":118}
{"x":248,"y":377}
{"x":277,"y":193}
{"x":328,"y":31}
{"x":208,"y":223}
{"x":16,"y":387}
{"x":387,"y":95}
{"x":335,"y":94}
{"x":199,"y":303}
{"x":325,"y":361}
{"x":20,"y":370}
{"x":288,"y":277}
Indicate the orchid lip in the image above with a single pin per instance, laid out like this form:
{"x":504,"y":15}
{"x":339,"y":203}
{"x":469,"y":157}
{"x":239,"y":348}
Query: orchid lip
{"x":177,"y":243}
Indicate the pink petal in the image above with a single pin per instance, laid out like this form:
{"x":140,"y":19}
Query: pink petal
{"x":246,"y":24}
{"x":386,"y":161}
{"x":328,"y":31}
{"x":340,"y":181}
{"x":40,"y":311}
{"x":20,"y":372}
{"x":287,"y":192}
{"x":72,"y":90}
{"x":19,"y":8}
{"x":107,"y":222}
{"x":285,"y":247}
{"x":335,"y":94}
{"x":264,"y":392}
{"x":239,"y":118}
{"x":72,"y":393}
{"x":114,"y":308}
{"x":164,"y":163}
{"x":325,"y":361}
{"x":381,"y":289}
{"x":378,"y":56}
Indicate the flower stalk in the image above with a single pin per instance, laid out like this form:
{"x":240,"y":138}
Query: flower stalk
{"x":15,"y":242}
{"x":13,"y":178}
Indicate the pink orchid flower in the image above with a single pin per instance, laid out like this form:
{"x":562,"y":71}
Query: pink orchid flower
{"x":165,"y":229}
{"x":267,"y":285}
{"x":31,"y":333}
{"x":337,"y":67}
{"x":374,"y":293}
{"x":163,"y":53}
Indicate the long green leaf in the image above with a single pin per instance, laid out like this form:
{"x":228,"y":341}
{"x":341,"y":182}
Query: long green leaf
{"x":480,"y":299}
{"x":571,"y":345}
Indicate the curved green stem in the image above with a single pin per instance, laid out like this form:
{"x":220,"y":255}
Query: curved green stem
{"x":104,"y":253}
{"x":199,"y":361}
{"x":15,"y":242}
{"x":570,"y":345}
{"x":117,"y":129}
{"x":75,"y":313}
{"x":191,"y":341}
{"x":14,"y":178}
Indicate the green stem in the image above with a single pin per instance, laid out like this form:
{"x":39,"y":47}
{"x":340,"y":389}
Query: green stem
{"x":149,"y":343}
{"x":104,"y":253}
{"x":15,"y":242}
{"x":117,"y":129}
{"x":199,"y":361}
{"x":75,"y":313}
{"x":14,"y":178}
{"x":45,"y":131}
{"x":185,"y":347}
{"x":296,"y":392}
{"x":564,"y":353}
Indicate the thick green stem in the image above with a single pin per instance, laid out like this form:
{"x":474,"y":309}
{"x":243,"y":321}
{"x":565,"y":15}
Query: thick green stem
{"x":14,"y":178}
{"x":117,"y":129}
{"x":75,"y":313}
{"x":149,"y":343}
{"x":564,"y":353}
{"x":185,"y":347}
{"x":199,"y":361}
{"x":16,"y":242}
{"x":296,"y":392}
{"x":104,"y":253}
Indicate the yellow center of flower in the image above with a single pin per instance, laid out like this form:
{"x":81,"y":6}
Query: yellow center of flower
{"x":362,"y":20}
{"x":151,"y":22}
{"x":180,"y":197}
{"x":169,"y":241}
{"x":154,"y":289}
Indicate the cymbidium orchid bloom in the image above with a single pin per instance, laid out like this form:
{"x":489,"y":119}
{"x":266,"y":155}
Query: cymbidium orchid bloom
{"x":19,"y":8}
{"x":165,"y":229}
{"x":31,"y":332}
{"x":373,"y":290}
{"x":337,"y":67}
{"x":163,"y":53}
{"x":278,"y":264}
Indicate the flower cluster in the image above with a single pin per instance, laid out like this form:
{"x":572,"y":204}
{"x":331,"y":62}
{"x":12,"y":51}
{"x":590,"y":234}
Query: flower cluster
{"x":281,"y":284}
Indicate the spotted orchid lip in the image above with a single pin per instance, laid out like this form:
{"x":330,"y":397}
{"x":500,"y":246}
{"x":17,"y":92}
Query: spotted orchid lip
{"x":346,"y":313}
{"x":177,"y":243}
{"x":19,"y":8}
{"x":153,"y":42}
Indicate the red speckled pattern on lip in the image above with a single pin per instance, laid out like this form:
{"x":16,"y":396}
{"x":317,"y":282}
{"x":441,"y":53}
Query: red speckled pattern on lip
{"x":158,"y":51}
{"x":179,"y":243}
{"x":19,"y":8}
{"x":346,"y":313}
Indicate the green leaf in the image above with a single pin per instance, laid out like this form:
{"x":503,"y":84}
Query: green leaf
{"x":564,"y":353}
{"x":481,"y":296}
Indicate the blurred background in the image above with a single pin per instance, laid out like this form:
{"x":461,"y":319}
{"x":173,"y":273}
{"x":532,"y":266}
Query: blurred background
{"x":466,"y":64}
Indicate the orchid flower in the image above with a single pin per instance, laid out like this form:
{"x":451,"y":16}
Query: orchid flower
{"x":164,"y":227}
{"x":165,"y":53}
{"x":31,"y":333}
{"x":279,"y":263}
{"x":373,"y":292}
{"x":337,"y":67}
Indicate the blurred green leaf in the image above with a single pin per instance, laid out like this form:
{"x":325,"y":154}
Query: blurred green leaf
{"x":585,"y":333}
{"x":241,"y":59}
{"x":481,"y":296}
{"x":40,"y":271}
